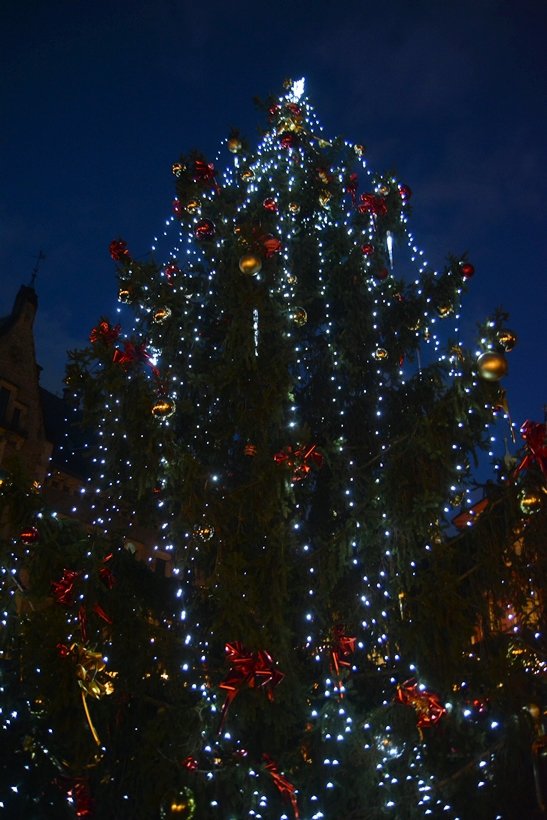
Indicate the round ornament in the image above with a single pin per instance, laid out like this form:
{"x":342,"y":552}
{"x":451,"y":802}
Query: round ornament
{"x":492,"y":366}
{"x":163,"y":408}
{"x":380,"y":354}
{"x":247,"y":175}
{"x":250,"y":449}
{"x":204,"y":531}
{"x":205,"y":229}
{"x":405,"y":192}
{"x":467,"y":270}
{"x":250,"y":264}
{"x":383,"y":190}
{"x":124,"y":295}
{"x":507,"y":339}
{"x":270,"y":205}
{"x":193,"y":206}
{"x":529,"y":502}
{"x":29,"y":536}
{"x":161,"y":315}
{"x":178,"y":804}
{"x":367,"y":249}
{"x":234,"y":145}
{"x":292,"y":279}
{"x":288,"y":140}
{"x":381,"y":274}
{"x":177,"y":168}
{"x":359,"y":150}
{"x":294,"y":207}
{"x":299,"y":316}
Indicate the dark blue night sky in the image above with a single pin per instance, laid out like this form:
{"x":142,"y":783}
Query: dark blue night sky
{"x":99,"y":98}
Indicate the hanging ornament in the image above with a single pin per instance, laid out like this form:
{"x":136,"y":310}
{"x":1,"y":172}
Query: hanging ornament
{"x":492,"y":366}
{"x":247,"y":175}
{"x":427,"y":705}
{"x":270,"y":205}
{"x":250,"y":449}
{"x":163,"y":408}
{"x":359,"y":150}
{"x":380,"y":354}
{"x":125,"y":295}
{"x":118,"y":250}
{"x":271,"y":245}
{"x":204,"y":531}
{"x":372,"y":204}
{"x":282,"y":784}
{"x":405,"y":192}
{"x":467,"y":270}
{"x":294,"y":207}
{"x":288,"y":140}
{"x":530,"y":502}
{"x":250,"y":263}
{"x":507,"y":339}
{"x":177,"y":168}
{"x":234,"y":145}
{"x":323,"y":176}
{"x":324,"y":198}
{"x":367,"y":249}
{"x":192,"y":206}
{"x":299,"y":316}
{"x":383,"y":190}
{"x":29,"y":536}
{"x":161,"y":315}
{"x":389,"y":246}
{"x":105,"y":333}
{"x":253,"y":670}
{"x":205,"y":229}
{"x":204,"y":173}
{"x":381,"y":274}
{"x":178,"y":804}
{"x":63,"y":589}
{"x":171,"y":270}
{"x":534,"y":435}
{"x":444,"y":310}
{"x":177,"y":207}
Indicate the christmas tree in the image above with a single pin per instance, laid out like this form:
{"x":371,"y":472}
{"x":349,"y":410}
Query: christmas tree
{"x":346,"y":624}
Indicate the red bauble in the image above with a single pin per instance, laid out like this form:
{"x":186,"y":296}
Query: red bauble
{"x":118,"y":250}
{"x":30,"y":536}
{"x":288,"y":140}
{"x":205,"y":229}
{"x":381,"y":274}
{"x":177,"y":207}
{"x":270,"y":205}
{"x":405,"y":192}
{"x":271,"y":245}
{"x":367,"y":249}
{"x":467,"y":270}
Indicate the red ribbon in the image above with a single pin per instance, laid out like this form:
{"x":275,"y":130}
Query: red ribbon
{"x":118,"y":250}
{"x":105,"y":573}
{"x":351,"y":186}
{"x":300,"y":460}
{"x":204,"y":173}
{"x":81,"y":795}
{"x":342,"y":647}
{"x":82,"y":618}
{"x":284,"y":786}
{"x":105,"y":333}
{"x":252,"y":669}
{"x":134,"y":353}
{"x":427,"y":704}
{"x":63,"y":590}
{"x":372,"y":204}
{"x":534,"y":434}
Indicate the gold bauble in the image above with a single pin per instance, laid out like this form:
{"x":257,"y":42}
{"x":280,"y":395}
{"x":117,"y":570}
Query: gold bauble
{"x":247,"y":175}
{"x":359,"y":150}
{"x":380,"y":354}
{"x":324,"y":198}
{"x":529,"y":502}
{"x":507,"y":339}
{"x":288,"y":124}
{"x":179,"y":804}
{"x":299,"y":316}
{"x":492,"y":366}
{"x":444,"y":310}
{"x":234,"y":145}
{"x":204,"y":531}
{"x":292,"y":279}
{"x":383,"y":190}
{"x":323,"y":176}
{"x":163,"y":408}
{"x":250,"y":263}
{"x":294,"y":207}
{"x":193,"y":206}
{"x":124,"y":295}
{"x":161,"y":315}
{"x":177,"y":168}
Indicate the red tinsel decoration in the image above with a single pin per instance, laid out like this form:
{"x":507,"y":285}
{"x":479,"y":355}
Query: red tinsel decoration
{"x":63,"y":590}
{"x":118,"y":250}
{"x":284,"y":786}
{"x":372,"y":204}
{"x":427,"y":705}
{"x":251,"y":669}
{"x":131,"y":354}
{"x":105,"y":333}
{"x":534,"y":435}
{"x":299,"y":461}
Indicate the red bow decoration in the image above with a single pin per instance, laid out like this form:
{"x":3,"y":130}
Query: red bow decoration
{"x":252,"y":669}
{"x":105,"y":333}
{"x":427,"y":705}
{"x":342,"y":647}
{"x":80,"y":793}
{"x":63,"y":590}
{"x":105,"y":573}
{"x":534,"y":434}
{"x":372,"y":204}
{"x":284,"y":786}
{"x":134,"y":353}
{"x":351,"y":186}
{"x":118,"y":250}
{"x":300,"y":460}
{"x":204,"y":173}
{"x":82,"y":618}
